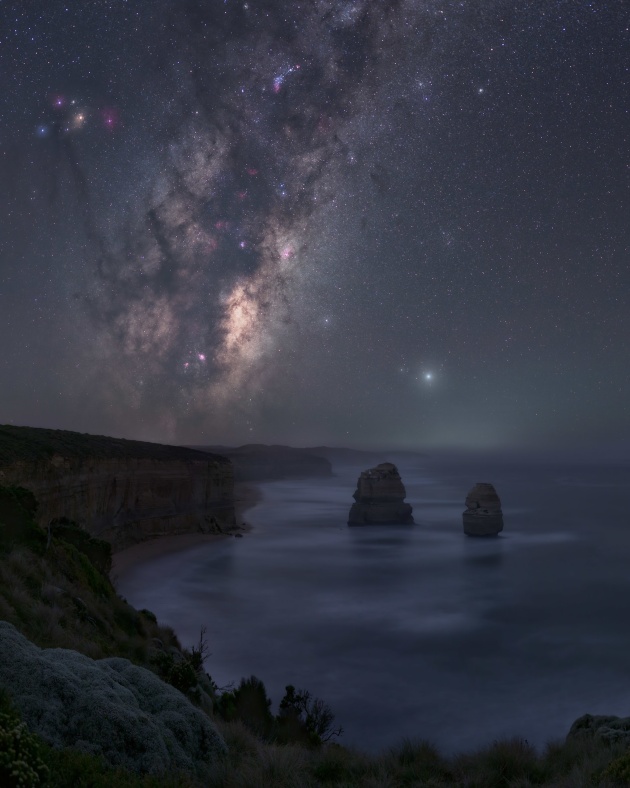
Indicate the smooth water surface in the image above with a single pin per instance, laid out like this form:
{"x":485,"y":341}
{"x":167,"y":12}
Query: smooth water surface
{"x":419,"y":631}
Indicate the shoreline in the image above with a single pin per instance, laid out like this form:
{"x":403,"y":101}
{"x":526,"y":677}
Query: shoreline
{"x":246,"y":496}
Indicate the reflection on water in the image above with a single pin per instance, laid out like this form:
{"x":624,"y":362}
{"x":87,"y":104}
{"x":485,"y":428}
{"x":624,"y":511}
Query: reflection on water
{"x":419,"y":630}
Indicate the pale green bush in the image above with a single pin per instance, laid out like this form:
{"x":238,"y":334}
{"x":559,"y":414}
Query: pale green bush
{"x":20,"y":761}
{"x":108,"y":707}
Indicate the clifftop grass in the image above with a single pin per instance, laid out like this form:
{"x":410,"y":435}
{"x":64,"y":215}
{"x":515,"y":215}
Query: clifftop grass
{"x":32,"y":444}
{"x":57,"y":597}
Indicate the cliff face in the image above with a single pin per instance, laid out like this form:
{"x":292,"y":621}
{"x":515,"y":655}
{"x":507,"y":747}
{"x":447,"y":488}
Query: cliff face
{"x":121,"y":491}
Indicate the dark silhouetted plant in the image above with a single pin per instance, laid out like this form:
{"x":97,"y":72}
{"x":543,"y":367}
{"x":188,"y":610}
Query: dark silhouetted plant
{"x":200,"y":652}
{"x":97,"y":550}
{"x":311,"y":714}
{"x":250,"y":704}
{"x":178,"y":673}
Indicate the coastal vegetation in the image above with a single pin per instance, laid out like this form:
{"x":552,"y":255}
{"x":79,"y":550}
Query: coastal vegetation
{"x":55,"y":591}
{"x":32,"y":444}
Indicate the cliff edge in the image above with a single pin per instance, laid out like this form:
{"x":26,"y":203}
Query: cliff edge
{"x":119,"y":490}
{"x":257,"y":462}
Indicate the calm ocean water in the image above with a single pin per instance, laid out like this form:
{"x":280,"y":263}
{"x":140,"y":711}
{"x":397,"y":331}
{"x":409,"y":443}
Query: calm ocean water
{"x":419,"y":631}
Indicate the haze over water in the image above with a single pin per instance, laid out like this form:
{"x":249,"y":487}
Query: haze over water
{"x":419,"y":631}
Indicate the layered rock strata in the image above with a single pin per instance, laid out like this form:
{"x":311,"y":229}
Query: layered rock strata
{"x":122,"y":491}
{"x":483,"y":515}
{"x":380,"y":498}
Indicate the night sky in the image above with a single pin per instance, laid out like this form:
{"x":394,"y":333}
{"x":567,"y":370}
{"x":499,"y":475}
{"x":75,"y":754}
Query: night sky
{"x":354,"y":223}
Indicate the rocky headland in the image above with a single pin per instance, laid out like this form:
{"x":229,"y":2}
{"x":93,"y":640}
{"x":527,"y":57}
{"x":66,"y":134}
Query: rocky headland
{"x":380,"y":498}
{"x":257,"y":462}
{"x":483,"y":515}
{"x":121,"y":491}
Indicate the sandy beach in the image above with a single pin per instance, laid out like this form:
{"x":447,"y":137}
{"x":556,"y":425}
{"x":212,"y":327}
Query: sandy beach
{"x":245,"y":497}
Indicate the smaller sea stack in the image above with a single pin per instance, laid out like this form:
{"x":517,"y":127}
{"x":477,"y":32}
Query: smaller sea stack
{"x":380,"y":498}
{"x":483,"y":515}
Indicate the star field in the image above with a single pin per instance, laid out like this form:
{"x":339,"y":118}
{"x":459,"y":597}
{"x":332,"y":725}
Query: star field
{"x":360,"y":223}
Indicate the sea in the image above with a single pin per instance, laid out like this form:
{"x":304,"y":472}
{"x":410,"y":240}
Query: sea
{"x":420,"y":632}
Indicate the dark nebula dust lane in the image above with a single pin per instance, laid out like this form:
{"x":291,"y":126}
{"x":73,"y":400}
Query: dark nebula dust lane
{"x":345,"y":222}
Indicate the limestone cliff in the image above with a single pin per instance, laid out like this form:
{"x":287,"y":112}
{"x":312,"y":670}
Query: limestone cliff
{"x":380,"y":498}
{"x":119,"y":490}
{"x":483,"y":515}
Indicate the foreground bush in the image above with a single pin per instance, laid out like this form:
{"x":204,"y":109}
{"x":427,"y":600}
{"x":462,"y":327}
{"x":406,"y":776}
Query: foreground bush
{"x":302,"y":719}
{"x":20,"y":755}
{"x":107,"y":707}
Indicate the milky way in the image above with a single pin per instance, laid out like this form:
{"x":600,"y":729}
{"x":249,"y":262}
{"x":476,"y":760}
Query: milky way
{"x":262,"y":99}
{"x":270,"y":220}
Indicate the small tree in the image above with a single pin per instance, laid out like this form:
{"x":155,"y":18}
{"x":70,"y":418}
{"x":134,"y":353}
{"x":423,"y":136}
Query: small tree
{"x":200,"y":652}
{"x":250,"y":704}
{"x":311,"y":714}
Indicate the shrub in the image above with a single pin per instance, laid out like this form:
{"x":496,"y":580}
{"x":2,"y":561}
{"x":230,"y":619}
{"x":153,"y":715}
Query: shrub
{"x":44,"y":765}
{"x":416,"y":761}
{"x":178,"y":673}
{"x":200,"y":652}
{"x":20,"y":755}
{"x":128,"y":620}
{"x":586,"y":757}
{"x":299,"y":710}
{"x":501,"y":764}
{"x":250,"y":704}
{"x":332,"y":768}
{"x":619,"y":770}
{"x":109,"y":707}
{"x":280,"y":767}
{"x":183,"y":676}
{"x":98,"y":551}
{"x":148,"y":614}
{"x":78,"y":569}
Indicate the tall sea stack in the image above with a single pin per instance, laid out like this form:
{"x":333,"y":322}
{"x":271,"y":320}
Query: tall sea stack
{"x":380,"y":498}
{"x":483,"y":515}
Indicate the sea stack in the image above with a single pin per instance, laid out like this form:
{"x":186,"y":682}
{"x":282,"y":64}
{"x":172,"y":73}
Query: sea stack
{"x":380,"y":498}
{"x":483,"y":515}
